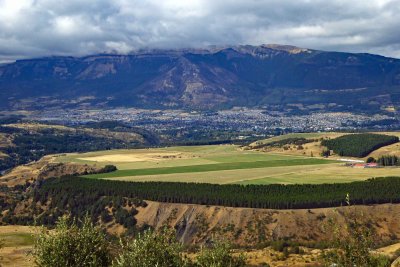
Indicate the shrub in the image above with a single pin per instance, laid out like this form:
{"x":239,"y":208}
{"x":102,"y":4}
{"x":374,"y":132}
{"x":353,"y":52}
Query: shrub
{"x":326,"y":153}
{"x":219,"y":255}
{"x":151,"y":249}
{"x":352,"y":244}
{"x":108,"y":168}
{"x":71,"y":245}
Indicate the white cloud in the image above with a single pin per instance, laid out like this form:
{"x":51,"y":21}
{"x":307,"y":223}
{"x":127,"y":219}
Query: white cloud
{"x":32,"y":28}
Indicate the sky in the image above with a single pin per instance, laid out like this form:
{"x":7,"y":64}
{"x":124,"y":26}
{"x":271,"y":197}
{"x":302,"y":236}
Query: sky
{"x":36,"y":28}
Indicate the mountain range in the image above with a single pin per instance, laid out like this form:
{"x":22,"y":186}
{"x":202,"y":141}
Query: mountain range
{"x":212,"y":78}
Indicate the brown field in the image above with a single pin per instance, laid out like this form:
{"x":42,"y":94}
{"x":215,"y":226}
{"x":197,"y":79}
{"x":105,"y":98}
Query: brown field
{"x":136,"y":157}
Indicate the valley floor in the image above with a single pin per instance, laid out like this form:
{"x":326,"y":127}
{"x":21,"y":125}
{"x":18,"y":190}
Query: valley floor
{"x":223,"y":164}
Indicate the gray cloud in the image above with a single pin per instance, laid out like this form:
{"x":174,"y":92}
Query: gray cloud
{"x":32,"y":28}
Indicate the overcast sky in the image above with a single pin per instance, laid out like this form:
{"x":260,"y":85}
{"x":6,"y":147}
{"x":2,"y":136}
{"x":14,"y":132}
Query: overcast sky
{"x":33,"y":28}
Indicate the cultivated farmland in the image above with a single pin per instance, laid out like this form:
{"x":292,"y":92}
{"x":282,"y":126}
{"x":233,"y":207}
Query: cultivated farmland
{"x":221,"y":164}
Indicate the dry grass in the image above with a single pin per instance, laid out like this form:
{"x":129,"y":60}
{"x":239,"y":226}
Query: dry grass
{"x":390,"y":250}
{"x":386,"y":150}
{"x":299,"y":135}
{"x":38,"y":126}
{"x":135,"y":157}
{"x":258,"y":257}
{"x":18,"y":242}
{"x":329,"y":173}
{"x":200,"y":155}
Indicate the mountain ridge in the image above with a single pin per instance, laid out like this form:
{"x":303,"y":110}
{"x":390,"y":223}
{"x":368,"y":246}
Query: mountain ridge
{"x":213,"y":78}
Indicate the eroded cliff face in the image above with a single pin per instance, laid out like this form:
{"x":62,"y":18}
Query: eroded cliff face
{"x":245,"y":226}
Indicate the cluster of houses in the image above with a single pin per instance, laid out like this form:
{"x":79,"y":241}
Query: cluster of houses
{"x":365,"y":165}
{"x":359,"y":164}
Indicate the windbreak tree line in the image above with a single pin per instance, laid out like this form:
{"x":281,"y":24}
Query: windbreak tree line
{"x":389,"y":160}
{"x":275,"y":196}
{"x":358,"y":145}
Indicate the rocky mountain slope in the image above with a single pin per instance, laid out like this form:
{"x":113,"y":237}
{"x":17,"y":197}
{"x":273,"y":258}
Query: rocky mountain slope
{"x":202,"y":79}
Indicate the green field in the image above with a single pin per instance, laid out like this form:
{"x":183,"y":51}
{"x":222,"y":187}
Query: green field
{"x":221,"y":164}
{"x":211,"y":167}
{"x":16,"y":239}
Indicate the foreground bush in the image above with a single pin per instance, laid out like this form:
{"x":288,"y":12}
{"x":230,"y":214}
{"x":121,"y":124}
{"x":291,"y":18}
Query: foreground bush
{"x":71,"y":245}
{"x":219,"y":255}
{"x":353,"y":242}
{"x":82,"y":245}
{"x":152,"y":249}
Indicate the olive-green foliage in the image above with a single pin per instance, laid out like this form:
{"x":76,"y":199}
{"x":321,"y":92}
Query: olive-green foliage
{"x":219,"y":255}
{"x":109,"y":168}
{"x":353,"y":242}
{"x":151,"y":249}
{"x":71,"y":244}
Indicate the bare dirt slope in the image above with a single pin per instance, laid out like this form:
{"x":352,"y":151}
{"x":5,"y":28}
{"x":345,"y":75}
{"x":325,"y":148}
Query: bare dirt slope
{"x":43,"y":169}
{"x":245,"y":226}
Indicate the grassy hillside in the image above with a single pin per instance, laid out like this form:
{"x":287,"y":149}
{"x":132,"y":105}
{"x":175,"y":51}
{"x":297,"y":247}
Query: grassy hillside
{"x":314,"y":146}
{"x":27,"y":142}
{"x":298,"y":135}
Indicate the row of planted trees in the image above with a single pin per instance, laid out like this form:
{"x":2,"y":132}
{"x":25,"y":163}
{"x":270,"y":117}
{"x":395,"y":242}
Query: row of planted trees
{"x":385,"y":160}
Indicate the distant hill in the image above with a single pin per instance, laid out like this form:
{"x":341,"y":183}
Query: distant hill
{"x":284,"y":76}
